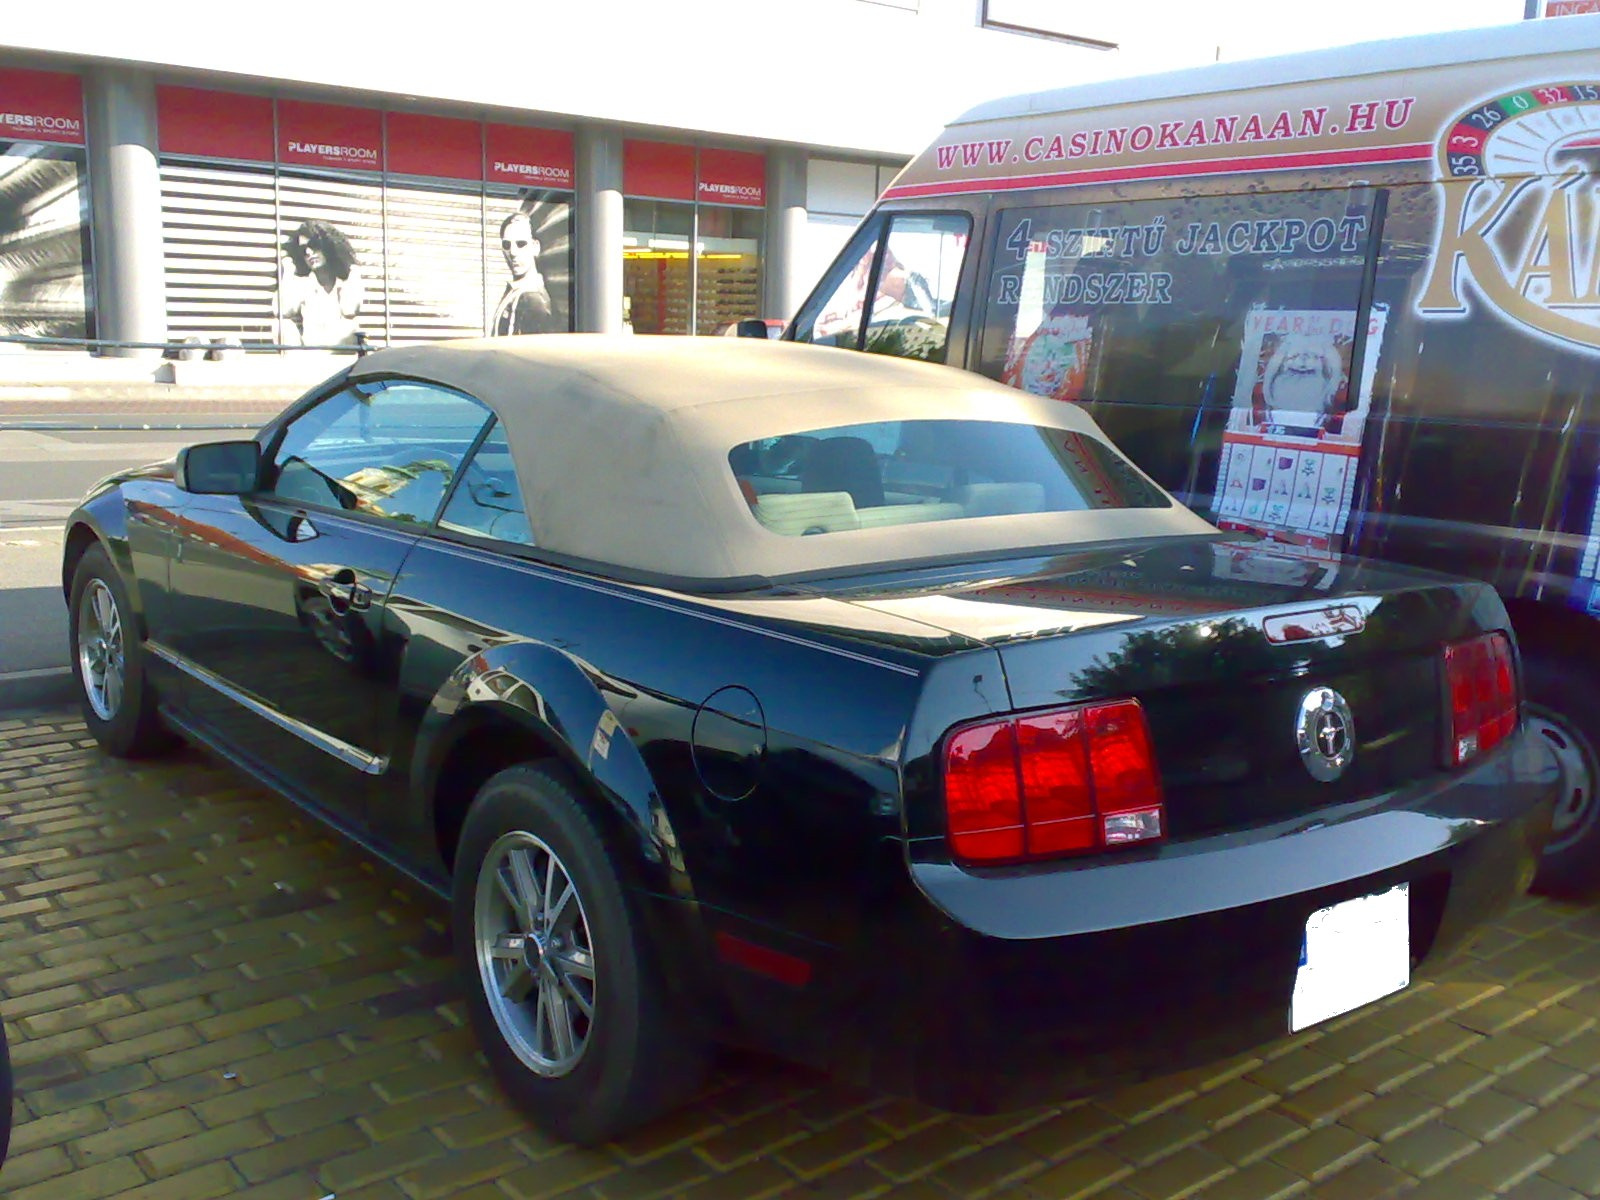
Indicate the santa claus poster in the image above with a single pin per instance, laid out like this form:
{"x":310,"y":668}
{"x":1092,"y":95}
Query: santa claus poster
{"x":1293,"y":441}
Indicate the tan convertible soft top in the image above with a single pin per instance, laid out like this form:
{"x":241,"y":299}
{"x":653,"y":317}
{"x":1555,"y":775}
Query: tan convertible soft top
{"x":621,"y":446}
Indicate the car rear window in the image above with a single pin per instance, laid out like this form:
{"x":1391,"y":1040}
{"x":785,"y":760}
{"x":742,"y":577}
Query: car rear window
{"x":913,"y":472}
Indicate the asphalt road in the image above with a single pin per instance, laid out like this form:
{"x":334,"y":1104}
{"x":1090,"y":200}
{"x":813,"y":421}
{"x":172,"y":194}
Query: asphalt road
{"x":42,"y":476}
{"x":43,"y":473}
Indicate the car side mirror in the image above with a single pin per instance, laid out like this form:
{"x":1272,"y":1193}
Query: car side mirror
{"x":752,"y":327}
{"x":219,"y":468}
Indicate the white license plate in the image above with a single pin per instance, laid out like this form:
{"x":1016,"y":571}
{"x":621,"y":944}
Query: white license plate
{"x":1353,"y":953}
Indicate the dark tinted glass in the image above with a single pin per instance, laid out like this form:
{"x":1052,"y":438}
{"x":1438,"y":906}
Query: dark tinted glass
{"x":910,"y":472}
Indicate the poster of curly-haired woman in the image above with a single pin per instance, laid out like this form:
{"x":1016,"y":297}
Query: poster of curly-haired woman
{"x":321,"y":289}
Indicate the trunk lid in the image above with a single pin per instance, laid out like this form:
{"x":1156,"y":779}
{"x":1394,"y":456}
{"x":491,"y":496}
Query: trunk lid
{"x":1221,"y":643}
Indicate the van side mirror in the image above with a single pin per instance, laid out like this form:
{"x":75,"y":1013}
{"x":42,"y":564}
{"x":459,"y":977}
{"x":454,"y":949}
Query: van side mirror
{"x":752,"y":327}
{"x":219,"y":468}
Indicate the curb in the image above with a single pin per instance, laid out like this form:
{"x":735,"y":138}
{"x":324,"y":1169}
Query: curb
{"x":47,"y":687}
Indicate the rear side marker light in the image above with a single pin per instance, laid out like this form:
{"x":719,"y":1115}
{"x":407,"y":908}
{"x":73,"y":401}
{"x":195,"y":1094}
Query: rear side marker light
{"x":1481,"y":696}
{"x":1070,"y":781}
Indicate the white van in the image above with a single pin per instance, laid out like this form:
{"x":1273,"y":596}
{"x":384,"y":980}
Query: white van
{"x":1348,"y":300}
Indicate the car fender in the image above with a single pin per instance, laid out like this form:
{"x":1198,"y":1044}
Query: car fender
{"x":103,"y":518}
{"x":559,"y":702}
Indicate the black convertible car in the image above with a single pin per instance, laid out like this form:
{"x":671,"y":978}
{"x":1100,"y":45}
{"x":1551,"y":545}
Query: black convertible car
{"x":849,"y":707}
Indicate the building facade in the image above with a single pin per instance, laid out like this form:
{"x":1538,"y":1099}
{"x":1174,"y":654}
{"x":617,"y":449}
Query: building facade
{"x":158,"y":196}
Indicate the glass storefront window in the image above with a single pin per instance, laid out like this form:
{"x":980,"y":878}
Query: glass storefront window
{"x":727,"y":267}
{"x":689,"y":268}
{"x":656,"y":286}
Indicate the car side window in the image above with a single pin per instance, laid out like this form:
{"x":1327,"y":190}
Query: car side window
{"x":488,"y":500}
{"x":385,"y":448}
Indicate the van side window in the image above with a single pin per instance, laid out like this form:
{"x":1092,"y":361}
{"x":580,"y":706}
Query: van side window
{"x":916,"y":285}
{"x":1212,"y":336}
{"x":891,"y":295}
{"x":832,"y":316}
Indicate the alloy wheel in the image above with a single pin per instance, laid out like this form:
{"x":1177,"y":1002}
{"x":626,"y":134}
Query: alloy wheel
{"x":535,"y":956}
{"x":101,"y":658}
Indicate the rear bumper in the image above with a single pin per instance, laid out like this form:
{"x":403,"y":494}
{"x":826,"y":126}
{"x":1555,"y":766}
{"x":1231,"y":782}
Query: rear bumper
{"x":990,"y":990}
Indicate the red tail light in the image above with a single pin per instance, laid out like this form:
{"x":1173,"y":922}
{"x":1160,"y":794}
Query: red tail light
{"x":1049,"y":784}
{"x":1482,"y":689}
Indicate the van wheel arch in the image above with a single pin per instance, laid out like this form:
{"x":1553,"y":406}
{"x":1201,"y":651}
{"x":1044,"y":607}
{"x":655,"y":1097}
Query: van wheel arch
{"x":1561,"y":680}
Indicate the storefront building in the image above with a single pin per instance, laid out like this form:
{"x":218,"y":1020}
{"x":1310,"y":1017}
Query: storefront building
{"x":290,"y":222}
{"x":144,"y":200}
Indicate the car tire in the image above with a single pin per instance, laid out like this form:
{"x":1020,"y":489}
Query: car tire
{"x":108,"y":662}
{"x":1564,"y":711}
{"x":585,"y":1076}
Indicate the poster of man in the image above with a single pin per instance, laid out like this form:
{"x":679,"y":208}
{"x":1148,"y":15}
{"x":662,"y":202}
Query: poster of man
{"x":524,"y":305}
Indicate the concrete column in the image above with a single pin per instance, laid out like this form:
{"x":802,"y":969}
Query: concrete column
{"x":598,"y":222}
{"x":783,"y":286}
{"x":125,"y":187}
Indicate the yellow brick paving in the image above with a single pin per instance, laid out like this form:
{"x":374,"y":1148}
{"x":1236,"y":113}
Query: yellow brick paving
{"x":208,"y":995}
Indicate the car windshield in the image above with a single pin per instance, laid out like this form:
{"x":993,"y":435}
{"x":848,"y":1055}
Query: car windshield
{"x":913,"y":472}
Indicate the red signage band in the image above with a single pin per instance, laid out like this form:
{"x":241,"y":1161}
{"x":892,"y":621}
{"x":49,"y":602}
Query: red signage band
{"x":41,"y":106}
{"x":330,"y":135}
{"x":732,"y":177}
{"x":1207,"y":166}
{"x":532,"y":157}
{"x":658,"y":170}
{"x":214,"y":124}
{"x":441,"y":147}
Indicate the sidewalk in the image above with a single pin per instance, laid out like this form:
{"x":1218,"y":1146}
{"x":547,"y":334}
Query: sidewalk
{"x":70,"y":390}
{"x":142,"y":406}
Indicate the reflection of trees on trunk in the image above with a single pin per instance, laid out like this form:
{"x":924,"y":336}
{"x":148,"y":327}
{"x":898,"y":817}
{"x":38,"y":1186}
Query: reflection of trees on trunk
{"x":41,"y":246}
{"x":1158,"y":658}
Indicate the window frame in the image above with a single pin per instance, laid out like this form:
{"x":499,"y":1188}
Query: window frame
{"x":878,"y":228}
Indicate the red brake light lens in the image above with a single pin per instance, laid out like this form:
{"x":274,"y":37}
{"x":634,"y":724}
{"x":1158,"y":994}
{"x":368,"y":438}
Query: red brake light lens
{"x":983,"y":798}
{"x":1049,"y":784}
{"x":1480,"y":683}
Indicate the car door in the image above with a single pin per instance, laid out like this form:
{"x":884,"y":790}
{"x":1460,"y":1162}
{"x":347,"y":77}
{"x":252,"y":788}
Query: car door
{"x":280,"y":595}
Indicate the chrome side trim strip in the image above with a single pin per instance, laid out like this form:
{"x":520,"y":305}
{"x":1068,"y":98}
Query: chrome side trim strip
{"x":351,"y":756}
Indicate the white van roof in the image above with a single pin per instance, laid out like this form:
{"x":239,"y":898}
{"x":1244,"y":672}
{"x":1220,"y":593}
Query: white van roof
{"x":1409,"y":109}
{"x":1551,"y":35}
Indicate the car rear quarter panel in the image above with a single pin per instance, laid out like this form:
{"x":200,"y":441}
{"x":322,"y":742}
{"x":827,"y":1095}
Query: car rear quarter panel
{"x":614,"y":680}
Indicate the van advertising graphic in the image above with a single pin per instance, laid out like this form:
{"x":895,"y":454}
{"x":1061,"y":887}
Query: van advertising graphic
{"x":1519,"y":219}
{"x":1293,"y":441}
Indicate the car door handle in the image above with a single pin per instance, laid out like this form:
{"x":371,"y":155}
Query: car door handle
{"x":346,"y":592}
